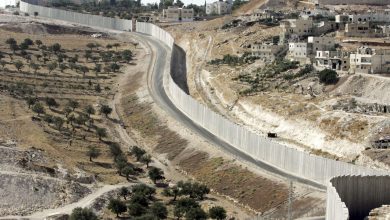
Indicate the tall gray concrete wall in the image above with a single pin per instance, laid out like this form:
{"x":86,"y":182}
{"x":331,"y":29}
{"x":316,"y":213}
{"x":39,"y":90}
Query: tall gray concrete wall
{"x":85,"y":19}
{"x":352,"y":2}
{"x":289,"y":160}
{"x":354,"y":197}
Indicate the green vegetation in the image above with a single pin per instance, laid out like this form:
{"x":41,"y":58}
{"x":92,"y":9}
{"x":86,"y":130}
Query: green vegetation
{"x":233,"y":60}
{"x":328,"y":77}
{"x":141,"y":203}
{"x":122,"y":9}
{"x":38,"y":108}
{"x":93,"y":153}
{"x":307,"y":69}
{"x":137,"y":152}
{"x":269,"y":22}
{"x":217,"y":212}
{"x":258,"y":82}
{"x":117,"y":206}
{"x":155,"y":174}
{"x":101,"y":133}
{"x":83,"y":214}
{"x":106,"y":110}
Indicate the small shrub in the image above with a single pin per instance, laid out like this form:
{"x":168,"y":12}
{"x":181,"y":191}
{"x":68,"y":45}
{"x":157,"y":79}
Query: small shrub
{"x":328,"y":77}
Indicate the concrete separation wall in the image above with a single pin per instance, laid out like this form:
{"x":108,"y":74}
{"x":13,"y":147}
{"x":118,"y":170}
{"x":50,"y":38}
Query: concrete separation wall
{"x":354,"y":197}
{"x":347,"y":195}
{"x":290,"y":160}
{"x":85,"y":19}
{"x":298,"y":163}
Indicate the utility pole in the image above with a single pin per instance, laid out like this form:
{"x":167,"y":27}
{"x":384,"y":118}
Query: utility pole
{"x":290,"y":198}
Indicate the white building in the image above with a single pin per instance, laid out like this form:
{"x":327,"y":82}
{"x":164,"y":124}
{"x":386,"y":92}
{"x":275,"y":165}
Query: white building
{"x":301,"y":28}
{"x":334,"y":60}
{"x":368,"y":60}
{"x":299,"y":52}
{"x":267,"y":51}
{"x":4,"y":3}
{"x":174,"y":14}
{"x":219,"y":7}
{"x":370,"y":16}
{"x":305,"y":52}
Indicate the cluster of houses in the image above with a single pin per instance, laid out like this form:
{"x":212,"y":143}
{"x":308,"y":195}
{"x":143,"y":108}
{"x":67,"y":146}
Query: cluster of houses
{"x":310,"y":40}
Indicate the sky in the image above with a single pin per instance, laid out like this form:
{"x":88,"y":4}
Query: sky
{"x":198,"y":2}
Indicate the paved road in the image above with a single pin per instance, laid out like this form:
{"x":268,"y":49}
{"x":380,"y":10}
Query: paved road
{"x":157,"y":91}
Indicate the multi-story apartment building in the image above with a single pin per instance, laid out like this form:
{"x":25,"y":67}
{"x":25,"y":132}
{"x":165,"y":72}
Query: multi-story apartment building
{"x":321,"y":43}
{"x":174,"y":14}
{"x":335,"y":60}
{"x":219,"y":7}
{"x":301,"y":28}
{"x":297,"y":27}
{"x":362,"y":29}
{"x":368,"y":60}
{"x":382,"y":16}
{"x":305,"y":52}
{"x":299,"y":52}
{"x":267,"y":51}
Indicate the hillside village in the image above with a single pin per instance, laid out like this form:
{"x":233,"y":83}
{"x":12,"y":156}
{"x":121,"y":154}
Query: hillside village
{"x":329,"y":61}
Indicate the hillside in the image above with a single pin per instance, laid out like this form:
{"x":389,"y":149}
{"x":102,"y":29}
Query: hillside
{"x":343,"y":116}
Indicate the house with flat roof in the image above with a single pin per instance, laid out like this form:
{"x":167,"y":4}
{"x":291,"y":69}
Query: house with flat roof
{"x":334,"y":60}
{"x":267,"y":51}
{"x":175,"y":14}
{"x":219,"y":7}
{"x":369,"y":60}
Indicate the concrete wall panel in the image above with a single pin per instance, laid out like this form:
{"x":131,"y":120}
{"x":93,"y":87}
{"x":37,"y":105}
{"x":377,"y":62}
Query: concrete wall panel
{"x":84,"y":19}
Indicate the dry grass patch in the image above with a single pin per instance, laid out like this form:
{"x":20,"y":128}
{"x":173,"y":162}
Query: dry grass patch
{"x":229,"y":179}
